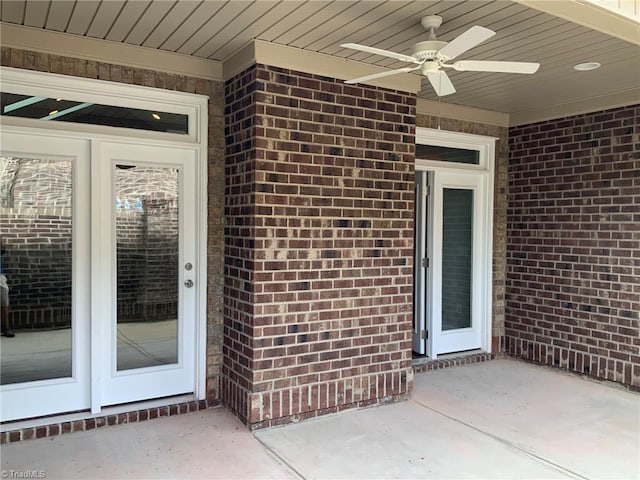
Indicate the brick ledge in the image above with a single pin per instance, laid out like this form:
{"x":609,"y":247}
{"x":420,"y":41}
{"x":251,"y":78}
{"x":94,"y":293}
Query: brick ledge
{"x":82,"y":425}
{"x":427,"y":365}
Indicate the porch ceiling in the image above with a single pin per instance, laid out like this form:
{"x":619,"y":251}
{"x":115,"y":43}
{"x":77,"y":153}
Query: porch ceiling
{"x":218,"y":30}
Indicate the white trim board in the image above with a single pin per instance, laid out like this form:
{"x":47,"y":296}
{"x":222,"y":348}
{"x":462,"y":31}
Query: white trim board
{"x":315,"y":63}
{"x":461,"y":112}
{"x":56,"y":43}
{"x":579,"y":107}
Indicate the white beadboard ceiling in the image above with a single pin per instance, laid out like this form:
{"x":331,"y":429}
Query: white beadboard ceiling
{"x":217,"y":30}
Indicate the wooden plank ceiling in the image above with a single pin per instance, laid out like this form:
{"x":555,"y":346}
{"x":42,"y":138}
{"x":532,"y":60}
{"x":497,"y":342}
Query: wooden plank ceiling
{"x":216,"y":30}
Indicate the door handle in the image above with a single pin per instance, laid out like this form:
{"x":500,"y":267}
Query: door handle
{"x":188,"y":283}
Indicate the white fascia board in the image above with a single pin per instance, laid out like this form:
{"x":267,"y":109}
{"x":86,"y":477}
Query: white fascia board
{"x":300,"y":60}
{"x":462,"y":112}
{"x":240,"y":61}
{"x":578,"y":107}
{"x":56,"y":43}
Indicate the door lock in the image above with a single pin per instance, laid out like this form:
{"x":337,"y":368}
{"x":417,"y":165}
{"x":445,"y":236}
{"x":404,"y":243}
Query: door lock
{"x":188,"y":283}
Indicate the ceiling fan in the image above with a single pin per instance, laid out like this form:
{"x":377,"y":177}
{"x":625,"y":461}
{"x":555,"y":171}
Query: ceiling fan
{"x":432,"y":55}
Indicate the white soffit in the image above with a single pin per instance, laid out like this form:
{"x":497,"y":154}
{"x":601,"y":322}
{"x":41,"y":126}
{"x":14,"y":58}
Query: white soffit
{"x":54,"y":43}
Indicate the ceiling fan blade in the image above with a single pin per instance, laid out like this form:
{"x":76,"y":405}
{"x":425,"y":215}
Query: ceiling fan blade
{"x":379,"y":51}
{"x":469,"y":39}
{"x":441,"y":83}
{"x":490,"y":66}
{"x":382,"y":74}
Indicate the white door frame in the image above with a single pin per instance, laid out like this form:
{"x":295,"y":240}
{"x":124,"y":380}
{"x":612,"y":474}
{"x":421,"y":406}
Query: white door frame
{"x":111,"y":93}
{"x":423,"y":273}
{"x":483,"y":274}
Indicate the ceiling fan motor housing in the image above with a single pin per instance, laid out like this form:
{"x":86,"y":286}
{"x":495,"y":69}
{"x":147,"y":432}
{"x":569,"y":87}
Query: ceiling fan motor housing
{"x":427,"y":50}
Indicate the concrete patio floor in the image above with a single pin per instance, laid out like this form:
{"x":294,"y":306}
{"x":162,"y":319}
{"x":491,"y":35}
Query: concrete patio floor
{"x":499,"y":419}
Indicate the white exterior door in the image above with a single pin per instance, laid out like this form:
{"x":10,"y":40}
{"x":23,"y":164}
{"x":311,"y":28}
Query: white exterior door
{"x":144,"y":280}
{"x":450,"y":287}
{"x":453,"y":242}
{"x":458,"y":227}
{"x":44,"y":242}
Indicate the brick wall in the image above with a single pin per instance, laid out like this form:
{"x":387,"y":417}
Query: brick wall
{"x":573,"y":282}
{"x":35,"y":240}
{"x":319,"y":245}
{"x":44,"y":62}
{"x":240,"y":232}
{"x":499,"y":209}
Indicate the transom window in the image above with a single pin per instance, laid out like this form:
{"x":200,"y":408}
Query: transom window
{"x":91,"y":106}
{"x":447,"y":154}
{"x":58,"y":109}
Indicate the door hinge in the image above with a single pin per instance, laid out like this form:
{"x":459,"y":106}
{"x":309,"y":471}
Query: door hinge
{"x":425,"y":262}
{"x":424,"y":334}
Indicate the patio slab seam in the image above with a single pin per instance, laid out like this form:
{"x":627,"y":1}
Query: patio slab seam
{"x":278,"y":457}
{"x":507,"y":443}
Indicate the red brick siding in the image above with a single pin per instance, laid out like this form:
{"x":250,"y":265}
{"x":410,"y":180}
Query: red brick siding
{"x":319,"y":244}
{"x":573,"y":281}
{"x":238,"y":351}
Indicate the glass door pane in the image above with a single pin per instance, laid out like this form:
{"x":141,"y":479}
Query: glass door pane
{"x":35,"y":268}
{"x":457,"y":258}
{"x":147,"y":256}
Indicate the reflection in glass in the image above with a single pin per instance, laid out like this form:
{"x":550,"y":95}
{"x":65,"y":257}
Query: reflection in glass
{"x":61,"y":110}
{"x":147,"y":245}
{"x":35,"y":269}
{"x":457,"y":257}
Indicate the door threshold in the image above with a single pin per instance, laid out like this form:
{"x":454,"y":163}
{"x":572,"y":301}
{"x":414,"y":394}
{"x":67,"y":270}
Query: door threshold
{"x":53,"y":425}
{"x":426,"y":364}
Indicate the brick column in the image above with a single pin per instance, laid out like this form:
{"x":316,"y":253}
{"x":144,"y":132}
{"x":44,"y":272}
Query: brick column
{"x":319,"y":245}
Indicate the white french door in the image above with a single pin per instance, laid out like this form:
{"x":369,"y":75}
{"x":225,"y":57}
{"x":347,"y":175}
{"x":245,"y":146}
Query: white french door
{"x":145,"y":271}
{"x":99,"y":252}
